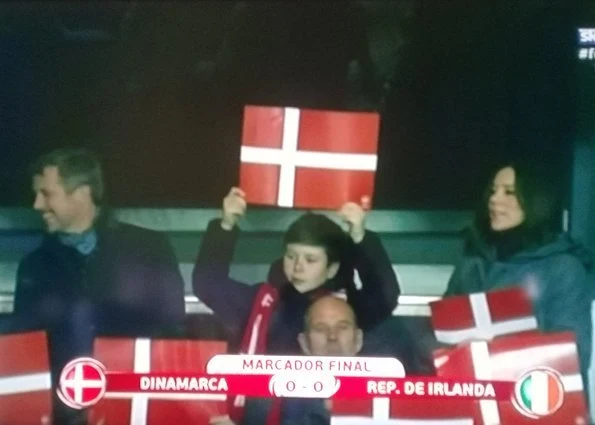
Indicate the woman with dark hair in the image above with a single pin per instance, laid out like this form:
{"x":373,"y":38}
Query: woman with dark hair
{"x":319,"y":258}
{"x":516,"y":241}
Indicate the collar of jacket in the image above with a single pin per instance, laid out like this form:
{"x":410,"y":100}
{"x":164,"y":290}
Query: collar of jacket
{"x":104,"y":222}
{"x":288,"y":292}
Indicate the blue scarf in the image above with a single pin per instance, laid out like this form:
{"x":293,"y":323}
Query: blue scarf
{"x":84,"y":243}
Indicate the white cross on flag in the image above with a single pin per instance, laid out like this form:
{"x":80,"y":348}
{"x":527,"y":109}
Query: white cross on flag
{"x":307,"y":158}
{"x":82,"y":383}
{"x":146,"y":355}
{"x":509,"y":358}
{"x":482,"y":316}
{"x":25,"y":382}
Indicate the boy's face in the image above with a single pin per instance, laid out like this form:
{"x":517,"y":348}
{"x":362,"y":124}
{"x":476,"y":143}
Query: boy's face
{"x":307,"y":266}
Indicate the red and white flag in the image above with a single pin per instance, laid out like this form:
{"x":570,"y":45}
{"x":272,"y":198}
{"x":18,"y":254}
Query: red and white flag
{"x":143,"y":356}
{"x":509,"y":358}
{"x":526,"y":359}
{"x":307,"y":158}
{"x":25,"y":380}
{"x":482,"y":316}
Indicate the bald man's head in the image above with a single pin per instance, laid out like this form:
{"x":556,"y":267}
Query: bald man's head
{"x":330,"y":329}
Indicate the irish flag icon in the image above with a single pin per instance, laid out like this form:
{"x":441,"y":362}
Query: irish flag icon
{"x":539,"y":393}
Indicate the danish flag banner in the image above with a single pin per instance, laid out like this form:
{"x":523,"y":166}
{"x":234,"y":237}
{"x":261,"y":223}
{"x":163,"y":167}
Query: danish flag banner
{"x":307,"y":158}
{"x":551,"y":394}
{"x":145,"y":355}
{"x":482,"y":316}
{"x":25,"y":380}
{"x":544,"y":367}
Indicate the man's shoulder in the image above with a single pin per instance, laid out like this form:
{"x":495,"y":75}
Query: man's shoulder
{"x":132,"y":231}
{"x":31,"y":258}
{"x":40,"y":253}
{"x":34,"y":262}
{"x":126,"y":237}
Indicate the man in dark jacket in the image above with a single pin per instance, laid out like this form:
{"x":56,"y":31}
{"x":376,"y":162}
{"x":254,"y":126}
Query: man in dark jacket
{"x":91,"y":275}
{"x":330,"y":329}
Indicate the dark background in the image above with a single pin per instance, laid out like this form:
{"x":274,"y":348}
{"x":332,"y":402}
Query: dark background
{"x":157,"y":89}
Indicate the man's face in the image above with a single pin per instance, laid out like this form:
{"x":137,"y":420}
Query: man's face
{"x":61,"y":211}
{"x":307,"y":266}
{"x":331,"y":330}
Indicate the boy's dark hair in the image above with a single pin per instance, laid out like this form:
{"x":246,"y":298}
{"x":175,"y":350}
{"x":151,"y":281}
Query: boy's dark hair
{"x":77,"y":167}
{"x":318,"y":230}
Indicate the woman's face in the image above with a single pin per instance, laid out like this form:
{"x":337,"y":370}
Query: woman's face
{"x":503,"y":205}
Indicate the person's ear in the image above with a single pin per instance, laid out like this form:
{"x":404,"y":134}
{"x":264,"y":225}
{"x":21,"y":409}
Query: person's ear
{"x":359,"y":340}
{"x":82,"y":192}
{"x":303,"y":342}
{"x":332,"y":270}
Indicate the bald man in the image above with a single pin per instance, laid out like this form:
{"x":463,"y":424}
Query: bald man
{"x":330,"y":329}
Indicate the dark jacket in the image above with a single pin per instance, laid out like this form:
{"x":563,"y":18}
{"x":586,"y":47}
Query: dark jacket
{"x":555,"y":275}
{"x":232,"y":300}
{"x":294,"y":411}
{"x":130,"y":285}
{"x":402,"y":338}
